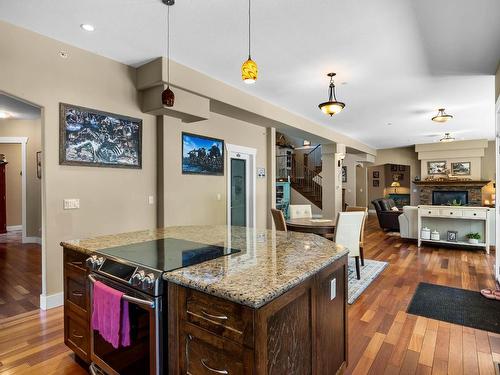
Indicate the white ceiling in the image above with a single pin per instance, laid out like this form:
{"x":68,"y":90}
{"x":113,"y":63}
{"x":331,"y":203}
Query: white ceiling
{"x":18,"y":109}
{"x":400,"y":60}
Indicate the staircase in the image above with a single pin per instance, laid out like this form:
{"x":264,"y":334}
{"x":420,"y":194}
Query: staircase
{"x":305,"y":175}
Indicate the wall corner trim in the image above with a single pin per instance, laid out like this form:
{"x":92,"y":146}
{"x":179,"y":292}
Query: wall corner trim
{"x":50,"y":301}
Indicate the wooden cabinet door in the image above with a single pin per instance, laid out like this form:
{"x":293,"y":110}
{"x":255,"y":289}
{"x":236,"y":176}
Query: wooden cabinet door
{"x":3,"y":211}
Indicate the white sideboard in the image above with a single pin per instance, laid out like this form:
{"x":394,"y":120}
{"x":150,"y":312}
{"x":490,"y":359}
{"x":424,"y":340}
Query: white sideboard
{"x":455,"y":218}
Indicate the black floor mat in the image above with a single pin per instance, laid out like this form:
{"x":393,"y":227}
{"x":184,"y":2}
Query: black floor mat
{"x":458,"y":306}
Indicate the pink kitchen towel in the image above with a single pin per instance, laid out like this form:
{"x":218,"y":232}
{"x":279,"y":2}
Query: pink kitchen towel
{"x":110,"y":316}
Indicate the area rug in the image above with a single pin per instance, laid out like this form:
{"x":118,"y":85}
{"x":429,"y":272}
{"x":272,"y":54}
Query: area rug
{"x":454,"y":305}
{"x":369,"y":272}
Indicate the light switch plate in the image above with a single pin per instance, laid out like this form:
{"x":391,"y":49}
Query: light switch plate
{"x":71,"y":204}
{"x":333,"y":289}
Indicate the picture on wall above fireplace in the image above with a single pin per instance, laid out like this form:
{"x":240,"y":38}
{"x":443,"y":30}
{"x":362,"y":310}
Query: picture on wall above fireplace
{"x":436,"y":167}
{"x":461,"y":168}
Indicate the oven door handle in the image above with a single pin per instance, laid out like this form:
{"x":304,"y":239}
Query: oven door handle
{"x":128,"y":298}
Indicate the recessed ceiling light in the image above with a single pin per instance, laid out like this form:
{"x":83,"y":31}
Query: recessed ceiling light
{"x":4,"y":114}
{"x":389,"y":123}
{"x":63,"y":54}
{"x":87,"y":27}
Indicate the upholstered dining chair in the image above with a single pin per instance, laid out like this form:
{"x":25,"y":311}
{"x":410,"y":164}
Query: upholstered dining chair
{"x":362,"y":235}
{"x":279,"y":219}
{"x":300,"y":211}
{"x":347,"y":233}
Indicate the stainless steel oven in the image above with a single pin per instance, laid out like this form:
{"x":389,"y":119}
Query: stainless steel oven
{"x":144,"y":355}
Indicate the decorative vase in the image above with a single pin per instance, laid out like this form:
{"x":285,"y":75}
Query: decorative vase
{"x":473,"y":241}
{"x":426,"y":234}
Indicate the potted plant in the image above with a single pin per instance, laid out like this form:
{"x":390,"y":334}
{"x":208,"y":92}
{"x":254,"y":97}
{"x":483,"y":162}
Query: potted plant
{"x":473,"y":237}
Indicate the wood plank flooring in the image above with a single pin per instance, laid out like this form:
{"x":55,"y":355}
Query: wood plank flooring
{"x":20,"y":275}
{"x":384,"y":339}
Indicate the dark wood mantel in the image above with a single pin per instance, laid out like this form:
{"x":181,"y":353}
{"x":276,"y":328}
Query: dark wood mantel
{"x":471,"y":183}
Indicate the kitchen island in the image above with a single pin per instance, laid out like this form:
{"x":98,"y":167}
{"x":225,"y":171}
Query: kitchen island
{"x":276,"y":307}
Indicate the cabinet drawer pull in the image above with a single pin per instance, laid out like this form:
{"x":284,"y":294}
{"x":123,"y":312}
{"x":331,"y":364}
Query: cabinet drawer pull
{"x":77,"y":293}
{"x":76,"y":336}
{"x":78,"y":264}
{"x":475,"y":214}
{"x":220,"y":317}
{"x":203,"y":362}
{"x":430,"y":212}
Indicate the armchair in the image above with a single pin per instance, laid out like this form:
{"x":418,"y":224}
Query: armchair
{"x":387,"y":219}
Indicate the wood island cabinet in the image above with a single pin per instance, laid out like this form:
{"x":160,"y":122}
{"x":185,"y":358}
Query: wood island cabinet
{"x":301,"y":332}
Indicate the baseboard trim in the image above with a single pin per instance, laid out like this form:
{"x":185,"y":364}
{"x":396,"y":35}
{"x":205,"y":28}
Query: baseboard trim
{"x":37,"y":240}
{"x":371,"y":211}
{"x":11,"y":228}
{"x":51,"y":301}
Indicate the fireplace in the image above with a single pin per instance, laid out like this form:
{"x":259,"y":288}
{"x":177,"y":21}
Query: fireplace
{"x":450,"y":197}
{"x":430,"y":192}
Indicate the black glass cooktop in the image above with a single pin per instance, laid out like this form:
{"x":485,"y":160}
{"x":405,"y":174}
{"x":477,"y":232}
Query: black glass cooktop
{"x":167,"y":254}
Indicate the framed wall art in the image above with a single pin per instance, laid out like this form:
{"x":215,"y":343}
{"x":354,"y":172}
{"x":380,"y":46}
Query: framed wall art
{"x":89,"y":137}
{"x":376,"y":174}
{"x":461,"y":168}
{"x":344,"y":173}
{"x":436,"y":167}
{"x":202,"y":155}
{"x":376,"y":183}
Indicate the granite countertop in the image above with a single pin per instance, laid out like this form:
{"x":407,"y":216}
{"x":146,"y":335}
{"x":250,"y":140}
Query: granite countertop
{"x":270,"y":263}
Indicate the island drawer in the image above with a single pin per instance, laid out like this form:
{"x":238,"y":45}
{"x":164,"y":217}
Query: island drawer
{"x":208,"y":354}
{"x":475,"y":214}
{"x":76,"y":292}
{"x":77,"y":335}
{"x":221,"y":317}
{"x":450,"y":212}
{"x":75,"y":260}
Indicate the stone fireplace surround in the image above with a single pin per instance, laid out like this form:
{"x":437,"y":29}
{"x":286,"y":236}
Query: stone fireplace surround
{"x":472,"y":187}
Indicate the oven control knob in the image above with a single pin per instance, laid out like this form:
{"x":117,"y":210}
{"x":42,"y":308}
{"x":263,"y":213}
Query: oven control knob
{"x":137,"y":278}
{"x":99,"y":261}
{"x":149,"y":281}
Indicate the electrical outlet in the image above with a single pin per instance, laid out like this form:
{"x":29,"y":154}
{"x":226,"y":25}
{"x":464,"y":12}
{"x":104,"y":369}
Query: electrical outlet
{"x":71,"y":204}
{"x":151,"y":199}
{"x":333,"y":289}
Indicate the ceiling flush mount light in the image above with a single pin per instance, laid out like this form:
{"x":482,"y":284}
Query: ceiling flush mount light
{"x":441,"y":116}
{"x":167,"y":96}
{"x":87,"y":27}
{"x":306,"y":143}
{"x":447,"y":138}
{"x":249,"y":69}
{"x":332,"y":106}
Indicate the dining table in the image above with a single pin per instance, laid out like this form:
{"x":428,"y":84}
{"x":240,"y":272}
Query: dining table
{"x":322,"y":227}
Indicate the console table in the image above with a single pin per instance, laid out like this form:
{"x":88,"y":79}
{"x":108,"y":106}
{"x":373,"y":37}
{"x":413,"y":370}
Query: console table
{"x":455,"y":218}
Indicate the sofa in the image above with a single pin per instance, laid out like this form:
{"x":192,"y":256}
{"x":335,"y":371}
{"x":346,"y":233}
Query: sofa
{"x":387,"y":217}
{"x":408,"y":222}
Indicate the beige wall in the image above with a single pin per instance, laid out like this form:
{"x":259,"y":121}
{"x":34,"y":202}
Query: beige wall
{"x":111,"y":200}
{"x":13,"y":185}
{"x":192,"y":199}
{"x":32,"y":129}
{"x":350,"y":162}
{"x":399,"y":155}
{"x":297,"y":198}
{"x":497,"y":83}
{"x":488,"y":171}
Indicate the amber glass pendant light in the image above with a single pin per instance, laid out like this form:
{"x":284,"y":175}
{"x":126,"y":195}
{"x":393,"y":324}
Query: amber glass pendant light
{"x":167,"y":96}
{"x":249,"y":69}
{"x":332,"y":106}
{"x":442,"y":116}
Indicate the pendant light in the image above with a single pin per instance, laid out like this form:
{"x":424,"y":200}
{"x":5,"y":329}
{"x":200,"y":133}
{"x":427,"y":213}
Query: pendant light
{"x":441,"y":116}
{"x":447,"y":138}
{"x":167,"y":96}
{"x":249,"y":69}
{"x":332,"y":106}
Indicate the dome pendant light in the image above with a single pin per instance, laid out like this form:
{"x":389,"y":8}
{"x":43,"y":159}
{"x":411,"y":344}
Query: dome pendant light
{"x":447,"y":138}
{"x":332,"y":106}
{"x":249,"y":69}
{"x":441,"y":116}
{"x":167,"y":96}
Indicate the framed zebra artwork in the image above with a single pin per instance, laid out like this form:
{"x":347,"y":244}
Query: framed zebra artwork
{"x":93,"y":138}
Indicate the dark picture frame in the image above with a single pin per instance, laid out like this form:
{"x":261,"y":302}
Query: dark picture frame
{"x":436,"y":167}
{"x":376,"y":174}
{"x":402,"y":168}
{"x":376,"y":183}
{"x":39,"y":164}
{"x":199,"y":157}
{"x":93,"y":138}
{"x":452,"y":236}
{"x":344,"y":173}
{"x":397,"y":177}
{"x":461,"y":168}
{"x":394,"y":168}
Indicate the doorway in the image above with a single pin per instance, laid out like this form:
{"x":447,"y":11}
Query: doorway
{"x":241,"y":186}
{"x":361,"y":186}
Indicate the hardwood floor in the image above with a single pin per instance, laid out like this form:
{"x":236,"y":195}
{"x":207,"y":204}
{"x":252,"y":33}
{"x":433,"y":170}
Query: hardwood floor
{"x":384,"y":339}
{"x":20,"y":275}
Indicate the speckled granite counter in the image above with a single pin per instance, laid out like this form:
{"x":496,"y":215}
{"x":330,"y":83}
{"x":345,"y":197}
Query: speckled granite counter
{"x":269,"y":264}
